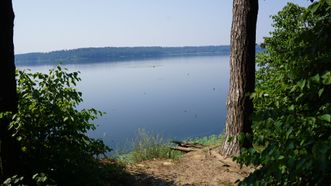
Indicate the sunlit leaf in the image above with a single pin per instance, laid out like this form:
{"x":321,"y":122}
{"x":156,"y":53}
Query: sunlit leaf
{"x":325,"y":117}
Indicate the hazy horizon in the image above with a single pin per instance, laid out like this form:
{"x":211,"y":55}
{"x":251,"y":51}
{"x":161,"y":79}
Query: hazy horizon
{"x":43,"y":26}
{"x":57,"y":50}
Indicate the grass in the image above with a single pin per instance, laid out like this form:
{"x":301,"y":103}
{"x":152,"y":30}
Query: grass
{"x":210,"y":141}
{"x":149,"y":146}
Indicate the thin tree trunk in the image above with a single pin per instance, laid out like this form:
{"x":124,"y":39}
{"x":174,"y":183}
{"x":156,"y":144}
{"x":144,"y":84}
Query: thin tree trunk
{"x":242,"y":76}
{"x":8,"y":96}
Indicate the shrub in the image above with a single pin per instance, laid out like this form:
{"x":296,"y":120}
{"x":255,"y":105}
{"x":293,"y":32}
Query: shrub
{"x":292,"y":122}
{"x":51,"y":130}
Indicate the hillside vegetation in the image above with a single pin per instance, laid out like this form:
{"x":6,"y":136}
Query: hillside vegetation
{"x":111,"y":54}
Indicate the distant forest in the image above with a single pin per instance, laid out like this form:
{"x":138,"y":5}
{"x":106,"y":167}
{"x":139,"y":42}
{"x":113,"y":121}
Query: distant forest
{"x":112,"y":54}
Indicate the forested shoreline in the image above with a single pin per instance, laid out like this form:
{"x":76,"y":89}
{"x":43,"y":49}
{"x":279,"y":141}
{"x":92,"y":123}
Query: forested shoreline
{"x":112,"y":54}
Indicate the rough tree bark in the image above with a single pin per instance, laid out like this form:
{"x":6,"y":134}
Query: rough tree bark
{"x":8,"y":96}
{"x":242,"y":75}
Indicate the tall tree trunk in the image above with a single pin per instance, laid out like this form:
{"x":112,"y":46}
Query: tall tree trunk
{"x":242,"y":76}
{"x":8,"y":96}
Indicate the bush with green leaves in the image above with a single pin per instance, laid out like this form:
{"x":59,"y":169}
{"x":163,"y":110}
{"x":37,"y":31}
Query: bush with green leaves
{"x":39,"y":179}
{"x":52,"y":131}
{"x":292,"y":119}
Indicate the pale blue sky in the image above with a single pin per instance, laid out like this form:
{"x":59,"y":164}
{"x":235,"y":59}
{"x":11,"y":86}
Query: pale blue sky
{"x":47,"y":25}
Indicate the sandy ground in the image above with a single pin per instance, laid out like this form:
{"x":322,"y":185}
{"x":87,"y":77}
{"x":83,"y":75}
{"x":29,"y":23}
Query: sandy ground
{"x":205,"y":167}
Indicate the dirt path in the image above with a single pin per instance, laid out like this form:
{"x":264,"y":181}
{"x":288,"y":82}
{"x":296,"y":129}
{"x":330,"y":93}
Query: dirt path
{"x":199,"y":168}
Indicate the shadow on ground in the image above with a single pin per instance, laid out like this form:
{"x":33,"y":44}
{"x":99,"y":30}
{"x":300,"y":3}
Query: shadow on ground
{"x":145,"y":179}
{"x":117,"y":175}
{"x":141,"y":179}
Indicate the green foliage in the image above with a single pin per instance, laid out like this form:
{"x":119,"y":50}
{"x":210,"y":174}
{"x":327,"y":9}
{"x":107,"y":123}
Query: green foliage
{"x":148,"y":146}
{"x":292,"y":129}
{"x":52,"y":131}
{"x":40,"y":179}
{"x":210,"y":141}
{"x":14,"y":180}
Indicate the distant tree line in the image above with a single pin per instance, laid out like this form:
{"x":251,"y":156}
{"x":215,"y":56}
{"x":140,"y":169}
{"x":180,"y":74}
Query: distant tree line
{"x":111,"y":54}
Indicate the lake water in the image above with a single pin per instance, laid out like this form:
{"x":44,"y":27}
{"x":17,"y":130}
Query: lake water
{"x":177,"y":98}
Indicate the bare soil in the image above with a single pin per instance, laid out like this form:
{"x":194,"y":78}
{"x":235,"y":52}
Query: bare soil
{"x":204,"y":167}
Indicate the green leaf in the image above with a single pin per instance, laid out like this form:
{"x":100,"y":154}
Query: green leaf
{"x":326,"y":78}
{"x":291,"y":108}
{"x":289,"y":132}
{"x":24,"y":149}
{"x":302,"y":142}
{"x":283,"y":169}
{"x":300,"y":96}
{"x":328,"y":2}
{"x":313,"y":8}
{"x":320,"y":92}
{"x":277,"y":104}
{"x":325,"y":117}
{"x":316,"y":78}
{"x":293,"y":89}
{"x":252,"y":95}
{"x":302,"y":84}
{"x":281,"y":157}
{"x":19,"y":138}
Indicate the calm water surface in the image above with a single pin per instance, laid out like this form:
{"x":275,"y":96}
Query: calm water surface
{"x":174,"y":97}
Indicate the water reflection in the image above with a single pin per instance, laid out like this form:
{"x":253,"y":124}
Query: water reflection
{"x":175,"y":97}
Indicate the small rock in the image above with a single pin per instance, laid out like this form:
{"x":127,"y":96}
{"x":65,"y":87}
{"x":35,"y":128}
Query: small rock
{"x":167,"y":163}
{"x":140,"y":165}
